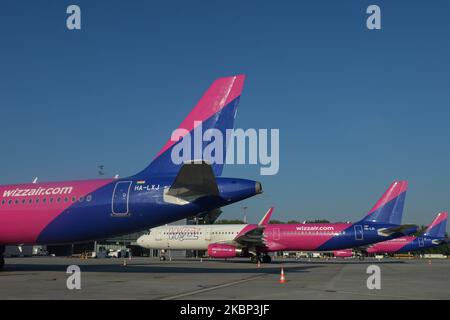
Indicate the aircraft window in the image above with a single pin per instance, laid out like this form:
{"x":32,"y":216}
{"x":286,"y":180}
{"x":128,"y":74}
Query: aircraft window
{"x":74,"y":199}
{"x":10,"y":201}
{"x":3,"y":201}
{"x":30,"y":201}
{"x":51,"y":200}
{"x":17,"y":201}
{"x":44,"y":200}
{"x":88,"y":198}
{"x":81,"y":199}
{"x":24,"y":201}
{"x":58,"y":200}
{"x":37,"y":200}
{"x":66,"y":199}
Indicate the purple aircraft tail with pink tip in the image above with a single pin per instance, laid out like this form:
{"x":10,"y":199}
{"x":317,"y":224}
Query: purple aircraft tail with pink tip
{"x":389,"y":208}
{"x":437,"y":228}
{"x":212,"y":116}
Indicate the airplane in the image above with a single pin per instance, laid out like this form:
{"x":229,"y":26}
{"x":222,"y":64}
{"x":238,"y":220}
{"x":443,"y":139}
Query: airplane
{"x":257,"y":240}
{"x":199,"y":237}
{"x":86,"y":210}
{"x":433,"y":236}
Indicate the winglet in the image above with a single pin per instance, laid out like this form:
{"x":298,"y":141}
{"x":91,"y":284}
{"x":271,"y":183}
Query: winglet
{"x":265,"y":220}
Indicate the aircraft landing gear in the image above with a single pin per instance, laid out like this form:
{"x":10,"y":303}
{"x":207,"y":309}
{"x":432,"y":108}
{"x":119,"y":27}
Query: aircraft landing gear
{"x":264,"y":258}
{"x":2,"y":259}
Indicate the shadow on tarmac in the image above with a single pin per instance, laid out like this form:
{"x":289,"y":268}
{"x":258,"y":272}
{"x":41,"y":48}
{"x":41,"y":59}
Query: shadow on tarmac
{"x":362,"y":262}
{"x":210,"y":267}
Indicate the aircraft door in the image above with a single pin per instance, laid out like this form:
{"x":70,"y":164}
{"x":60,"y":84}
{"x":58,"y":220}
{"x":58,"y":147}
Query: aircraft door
{"x":421,"y":242}
{"x":120,"y":198}
{"x":359,"y":233}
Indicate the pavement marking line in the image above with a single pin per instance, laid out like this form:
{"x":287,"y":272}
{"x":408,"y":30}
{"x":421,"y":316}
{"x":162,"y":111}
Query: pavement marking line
{"x":382,"y":295}
{"x":220,"y":286}
{"x":331,"y":284}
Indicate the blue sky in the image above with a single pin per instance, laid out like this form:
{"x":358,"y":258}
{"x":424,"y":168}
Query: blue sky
{"x":356,"y":108}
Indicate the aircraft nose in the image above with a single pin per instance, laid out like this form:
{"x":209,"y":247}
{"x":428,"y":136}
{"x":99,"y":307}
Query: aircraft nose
{"x":140,"y":240}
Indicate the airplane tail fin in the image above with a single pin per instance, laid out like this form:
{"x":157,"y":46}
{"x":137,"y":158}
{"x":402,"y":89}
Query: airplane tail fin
{"x":215,"y":110}
{"x":265,"y":220}
{"x":437,"y":228}
{"x":389,"y":208}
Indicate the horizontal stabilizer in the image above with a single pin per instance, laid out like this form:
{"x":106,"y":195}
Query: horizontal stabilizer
{"x":194,"y":180}
{"x":438,"y":242}
{"x":405,"y":229}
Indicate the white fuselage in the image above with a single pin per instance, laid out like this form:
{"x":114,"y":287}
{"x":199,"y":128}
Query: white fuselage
{"x":189,"y":237}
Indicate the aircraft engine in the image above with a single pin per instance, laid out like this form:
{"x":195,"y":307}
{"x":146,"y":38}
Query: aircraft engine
{"x":347,"y":253}
{"x":223,"y":251}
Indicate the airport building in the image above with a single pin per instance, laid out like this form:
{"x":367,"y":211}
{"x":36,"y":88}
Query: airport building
{"x":117,"y":246}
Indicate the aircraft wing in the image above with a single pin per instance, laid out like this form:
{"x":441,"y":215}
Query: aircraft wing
{"x":194,"y":180}
{"x":252,"y":235}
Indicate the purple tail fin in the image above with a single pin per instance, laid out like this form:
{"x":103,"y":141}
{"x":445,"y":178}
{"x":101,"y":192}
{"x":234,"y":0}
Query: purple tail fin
{"x":389,"y":208}
{"x":437,"y":228}
{"x":215,"y":110}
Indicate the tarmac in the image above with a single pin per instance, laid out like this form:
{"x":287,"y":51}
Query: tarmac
{"x":234,"y":279}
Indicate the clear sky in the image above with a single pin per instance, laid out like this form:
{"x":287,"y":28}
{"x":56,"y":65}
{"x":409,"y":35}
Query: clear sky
{"x":356,"y":108}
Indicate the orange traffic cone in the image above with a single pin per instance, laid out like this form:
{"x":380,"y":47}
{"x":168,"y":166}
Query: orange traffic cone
{"x":282,"y":277}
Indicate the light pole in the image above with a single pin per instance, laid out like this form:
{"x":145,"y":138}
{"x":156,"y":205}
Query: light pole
{"x":245,"y":214}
